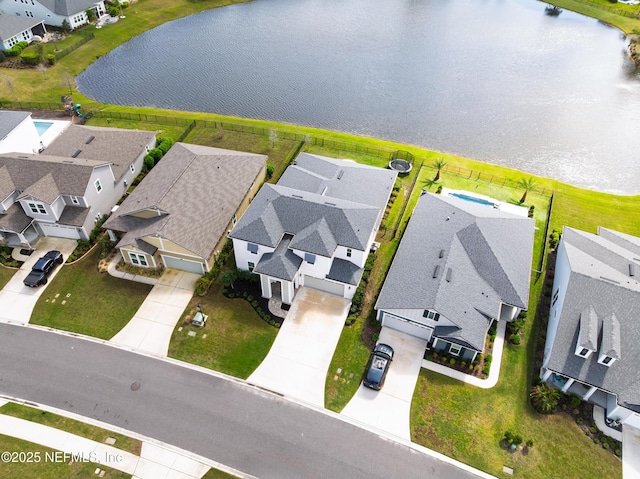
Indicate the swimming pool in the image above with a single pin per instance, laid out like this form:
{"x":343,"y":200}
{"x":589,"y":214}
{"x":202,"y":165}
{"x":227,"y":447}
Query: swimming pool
{"x":472,"y":198}
{"x":42,"y":126}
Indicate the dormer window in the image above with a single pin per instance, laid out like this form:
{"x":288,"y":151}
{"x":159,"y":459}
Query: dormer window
{"x":432,"y":315}
{"x":37,"y":208}
{"x":606,"y":360}
{"x":98,"y":186}
{"x":584,"y":352}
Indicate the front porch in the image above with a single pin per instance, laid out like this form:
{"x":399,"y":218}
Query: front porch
{"x":571,"y":386}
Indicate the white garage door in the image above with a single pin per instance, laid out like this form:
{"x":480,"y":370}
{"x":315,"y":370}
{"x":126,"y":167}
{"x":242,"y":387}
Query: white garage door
{"x":324,"y":285}
{"x":59,"y":231}
{"x":406,"y":326}
{"x":183,"y":264}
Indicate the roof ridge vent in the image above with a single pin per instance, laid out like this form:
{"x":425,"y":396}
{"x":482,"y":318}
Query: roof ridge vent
{"x":89,"y":140}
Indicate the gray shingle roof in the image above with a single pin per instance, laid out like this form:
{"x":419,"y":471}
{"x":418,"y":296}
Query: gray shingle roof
{"x":599,"y":278}
{"x":321,"y":222}
{"x":199,"y":188}
{"x":589,"y":328}
{"x":9,"y":120}
{"x":482,"y":255}
{"x":345,"y":272}
{"x":68,"y":8}
{"x":115,"y":146}
{"x":15,"y":219}
{"x":282,"y":263}
{"x":73,"y":215}
{"x":44,"y":177}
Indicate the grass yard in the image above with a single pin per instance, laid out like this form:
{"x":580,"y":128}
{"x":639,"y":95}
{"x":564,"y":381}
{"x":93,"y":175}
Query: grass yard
{"x":47,"y":469}
{"x":217,"y":474}
{"x":71,"y":425}
{"x":5,"y":275}
{"x":171,"y":131}
{"x":82,"y":300}
{"x":236,"y":341}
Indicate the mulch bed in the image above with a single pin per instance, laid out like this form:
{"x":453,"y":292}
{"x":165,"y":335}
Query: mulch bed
{"x":251,"y":288}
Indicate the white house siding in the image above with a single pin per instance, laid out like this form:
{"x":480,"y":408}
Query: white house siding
{"x":40,"y":12}
{"x":8,"y":202}
{"x":560,"y":283}
{"x":49,"y":216}
{"x":243,"y":256}
{"x":101,"y":203}
{"x":58,"y":207}
{"x":22,"y":139}
{"x":319,"y":269}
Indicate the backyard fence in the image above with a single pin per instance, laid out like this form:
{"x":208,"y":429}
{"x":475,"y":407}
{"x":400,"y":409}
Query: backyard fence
{"x":616,"y":10}
{"x":85,"y":37}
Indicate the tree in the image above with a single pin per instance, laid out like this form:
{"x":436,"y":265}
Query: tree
{"x":544,"y":398}
{"x":229,"y":277}
{"x":430,"y":182}
{"x":66,"y":26}
{"x":438,"y":164}
{"x":91,"y":15}
{"x":528,"y":185}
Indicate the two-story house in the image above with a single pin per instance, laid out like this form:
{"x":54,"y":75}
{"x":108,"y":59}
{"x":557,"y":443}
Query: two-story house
{"x":592,"y":347}
{"x":18,"y":132}
{"x":315,"y":227}
{"x":54,"y":12}
{"x":15,"y":29}
{"x":179,"y":215}
{"x":64,"y":192}
{"x":460,"y":266}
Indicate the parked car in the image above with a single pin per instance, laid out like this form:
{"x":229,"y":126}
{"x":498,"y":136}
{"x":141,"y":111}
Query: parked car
{"x":42,"y":269}
{"x":377,"y":367}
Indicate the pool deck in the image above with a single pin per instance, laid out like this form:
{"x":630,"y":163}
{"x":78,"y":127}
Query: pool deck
{"x":56,"y":128}
{"x":501,"y":205}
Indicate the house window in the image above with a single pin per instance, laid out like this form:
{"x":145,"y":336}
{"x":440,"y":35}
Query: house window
{"x":555,"y":297}
{"x":252,"y":248}
{"x":37,"y":208}
{"x":432,"y":315}
{"x":75,"y":200}
{"x":251,"y":266}
{"x":234,"y":220}
{"x":584,"y":352}
{"x":349,"y":252}
{"x":138,"y":259}
{"x":132,"y":167}
{"x":455,"y":349}
{"x":310,"y":258}
{"x":98,"y":186}
{"x":607,"y":360}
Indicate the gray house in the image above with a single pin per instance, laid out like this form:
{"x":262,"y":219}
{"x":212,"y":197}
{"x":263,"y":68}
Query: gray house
{"x":54,"y":12}
{"x":15,"y":29}
{"x":315,"y":227}
{"x":64,"y":192}
{"x":179,"y":215}
{"x":593,"y":336}
{"x":460,"y":266}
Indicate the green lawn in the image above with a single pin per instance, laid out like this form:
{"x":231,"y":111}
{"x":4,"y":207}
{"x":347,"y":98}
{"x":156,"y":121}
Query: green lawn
{"x":172,"y":131}
{"x":5,"y":275}
{"x":236,"y":341}
{"x":217,"y":474}
{"x":47,"y":469}
{"x":95,"y":304}
{"x":71,"y":425}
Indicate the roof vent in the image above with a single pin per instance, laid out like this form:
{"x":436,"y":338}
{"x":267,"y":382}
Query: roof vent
{"x":632,"y":269}
{"x":436,"y":271}
{"x":448,"y":275}
{"x":340,"y":173}
{"x":89,"y":140}
{"x":330,"y":204}
{"x":75,"y":155}
{"x":610,"y":280}
{"x":441,"y":255}
{"x":68,"y":161}
{"x":297,"y":196}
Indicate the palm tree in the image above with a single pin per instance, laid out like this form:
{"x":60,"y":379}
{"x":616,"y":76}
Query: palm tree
{"x":429,"y":183}
{"x":438,"y":164}
{"x":544,"y":398}
{"x":528,"y":185}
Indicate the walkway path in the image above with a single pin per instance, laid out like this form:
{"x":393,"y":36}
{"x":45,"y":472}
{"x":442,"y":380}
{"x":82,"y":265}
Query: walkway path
{"x":154,"y":461}
{"x":17,"y":300}
{"x":151,"y":327}
{"x":299,"y":358}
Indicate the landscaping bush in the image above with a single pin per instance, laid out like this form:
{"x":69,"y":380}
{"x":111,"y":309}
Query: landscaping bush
{"x":30,"y":58}
{"x":113,"y":11}
{"x":554,"y":238}
{"x":515,"y":339}
{"x":452,"y":361}
{"x":574,"y":400}
{"x":156,"y":154}
{"x":149,"y":162}
{"x":202,"y":285}
{"x":91,"y":15}
{"x":531,"y":208}
{"x":544,"y":398}
{"x":164,"y":144}
{"x":269,"y":172}
{"x":51,"y":59}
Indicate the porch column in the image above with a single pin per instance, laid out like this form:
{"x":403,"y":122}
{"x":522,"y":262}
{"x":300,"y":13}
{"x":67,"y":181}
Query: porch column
{"x":546,"y":375}
{"x":287,"y":290}
{"x":567,"y":385}
{"x":589,"y":393}
{"x":266,"y":286}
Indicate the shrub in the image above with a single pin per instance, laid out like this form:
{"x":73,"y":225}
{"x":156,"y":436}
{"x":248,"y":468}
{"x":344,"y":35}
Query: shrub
{"x":149,"y":161}
{"x":575,"y":400}
{"x":452,"y":361}
{"x":576,"y":412}
{"x":515,"y":339}
{"x":202,"y":285}
{"x":254,"y":303}
{"x":554,"y":238}
{"x":66,"y":26}
{"x":113,"y":11}
{"x":544,"y":398}
{"x":488,"y":358}
{"x":439,"y":190}
{"x":164,"y":144}
{"x":531,"y":208}
{"x":156,"y":154}
{"x":529,"y":443}
{"x":267,"y":318}
{"x":618,"y":452}
{"x":51,"y":59}
{"x":270,"y":170}
{"x":30,"y":58}
{"x":605,"y":445}
{"x":579,"y":421}
{"x":244,"y":294}
{"x":91,"y":15}
{"x":250,"y":298}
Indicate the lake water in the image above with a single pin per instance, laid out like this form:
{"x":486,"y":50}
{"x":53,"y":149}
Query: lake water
{"x":495,"y":80}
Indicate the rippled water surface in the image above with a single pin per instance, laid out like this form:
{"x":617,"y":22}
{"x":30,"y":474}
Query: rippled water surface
{"x":496,"y":80}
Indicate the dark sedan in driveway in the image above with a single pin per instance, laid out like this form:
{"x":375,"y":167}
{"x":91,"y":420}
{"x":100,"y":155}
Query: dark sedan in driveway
{"x":42,"y":269}
{"x":377,"y":367}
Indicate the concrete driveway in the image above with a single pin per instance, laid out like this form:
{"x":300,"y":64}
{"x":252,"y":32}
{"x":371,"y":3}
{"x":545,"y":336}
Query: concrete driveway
{"x":299,"y":359}
{"x":630,"y":452}
{"x":389,"y":409}
{"x":151,"y":327}
{"x":16,"y":299}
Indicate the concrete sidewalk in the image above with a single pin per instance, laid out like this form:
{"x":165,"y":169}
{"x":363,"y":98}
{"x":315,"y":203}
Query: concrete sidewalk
{"x":151,"y":327}
{"x":494,"y":371}
{"x":154,"y":461}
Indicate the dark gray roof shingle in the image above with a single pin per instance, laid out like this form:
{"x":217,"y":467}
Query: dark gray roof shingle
{"x":67,"y":8}
{"x":345,"y":272}
{"x":482,"y":255}
{"x":282,"y":263}
{"x":599,"y":278}
{"x":198,"y":188}
{"x":15,"y":219}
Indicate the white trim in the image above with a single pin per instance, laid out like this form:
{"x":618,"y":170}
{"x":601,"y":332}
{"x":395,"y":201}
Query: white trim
{"x":137,"y":256}
{"x":457,"y":352}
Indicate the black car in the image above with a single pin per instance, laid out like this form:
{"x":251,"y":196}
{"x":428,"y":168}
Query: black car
{"x":378,"y":366}
{"x":42,"y":268}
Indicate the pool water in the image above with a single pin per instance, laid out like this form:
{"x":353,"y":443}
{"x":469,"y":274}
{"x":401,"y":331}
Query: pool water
{"x":42,"y":126}
{"x":472,"y":198}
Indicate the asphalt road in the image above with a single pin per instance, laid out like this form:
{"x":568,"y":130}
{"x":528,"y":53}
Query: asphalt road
{"x":225,"y":420}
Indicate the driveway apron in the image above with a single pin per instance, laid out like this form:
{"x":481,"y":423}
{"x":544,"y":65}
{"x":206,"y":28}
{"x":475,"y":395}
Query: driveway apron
{"x":389,"y":409}
{"x":630,"y":452}
{"x":299,"y":359}
{"x":151,"y":328}
{"x":17,"y":300}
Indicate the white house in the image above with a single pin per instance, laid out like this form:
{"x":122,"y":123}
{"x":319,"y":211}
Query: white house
{"x":67,"y":189}
{"x":460,"y":266}
{"x":18,"y":132}
{"x":315,"y":227}
{"x":15,"y":29}
{"x":592,"y":347}
{"x":54,"y":12}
